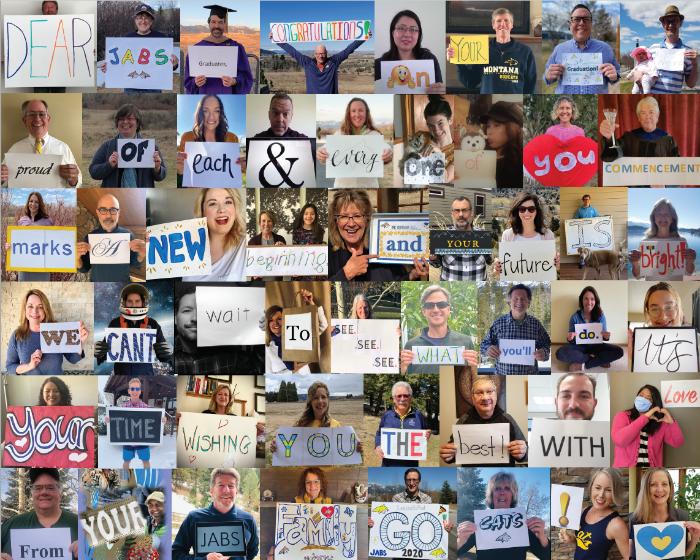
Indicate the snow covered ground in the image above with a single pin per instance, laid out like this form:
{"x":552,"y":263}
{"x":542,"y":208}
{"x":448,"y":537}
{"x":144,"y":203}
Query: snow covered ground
{"x":162,"y":457}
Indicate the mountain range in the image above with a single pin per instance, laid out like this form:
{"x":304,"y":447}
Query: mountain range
{"x":636,"y":223}
{"x":196,"y":29}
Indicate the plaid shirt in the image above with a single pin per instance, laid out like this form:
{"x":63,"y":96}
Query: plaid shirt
{"x":462,"y":267}
{"x":506,"y":328}
{"x":129,"y":404}
{"x":404,"y":498}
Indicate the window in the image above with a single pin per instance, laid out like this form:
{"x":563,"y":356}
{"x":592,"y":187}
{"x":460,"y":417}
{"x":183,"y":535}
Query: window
{"x":437,"y":192}
{"x":480,"y":202}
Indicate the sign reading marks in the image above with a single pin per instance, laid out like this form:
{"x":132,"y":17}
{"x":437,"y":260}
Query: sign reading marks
{"x":135,"y":426}
{"x":229,"y":315}
{"x":406,"y":76}
{"x":30,"y":544}
{"x":137,"y":152}
{"x":212,"y":164}
{"x":133,"y":62}
{"x":582,"y":69}
{"x":527,"y":260}
{"x":443,"y":355}
{"x":659,"y":541}
{"x":109,"y":248}
{"x":213,"y":62}
{"x":205,"y":440}
{"x":399,"y":238}
{"x":404,"y":444}
{"x":481,"y":444}
{"x":31,"y":171}
{"x":59,"y":338}
{"x":669,"y":349}
{"x":592,"y":233}
{"x":631,"y":171}
{"x":501,"y":528}
{"x":113,"y":521}
{"x":316,"y":446}
{"x":366,"y":346}
{"x":225,"y":537}
{"x":355,"y":156}
{"x":287,"y":260}
{"x":517,"y":351}
{"x":557,"y":443}
{"x":424,"y":170}
{"x":315,"y":31}
{"x":178,"y":249}
{"x":589,"y":333}
{"x":460,"y":242}
{"x":131,"y":345}
{"x":41,"y":248}
{"x":680,"y":393}
{"x":662,"y":258}
{"x":555,"y":163}
{"x":470,"y":49}
{"x":566,"y":503}
{"x":416,"y":530}
{"x":280,"y":163}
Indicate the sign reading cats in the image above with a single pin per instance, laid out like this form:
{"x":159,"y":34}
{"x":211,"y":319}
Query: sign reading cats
{"x":41,"y":248}
{"x":139,"y":63}
{"x":501,"y":528}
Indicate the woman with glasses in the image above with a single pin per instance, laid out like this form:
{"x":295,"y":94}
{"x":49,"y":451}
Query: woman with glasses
{"x":54,"y":392}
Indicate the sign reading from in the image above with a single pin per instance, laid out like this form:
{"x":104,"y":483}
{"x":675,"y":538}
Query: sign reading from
{"x":316,"y":531}
{"x":31,"y":171}
{"x":582,"y":69}
{"x":424,"y":170}
{"x":632,"y":171}
{"x":680,"y":393}
{"x":213,"y":62}
{"x":287,"y":260}
{"x":662,"y":258}
{"x":41,"y":248}
{"x":557,"y":443}
{"x":659,"y":541}
{"x":136,"y":152}
{"x":178,"y":249}
{"x":671,"y":60}
{"x":589,"y":333}
{"x":501,"y":528}
{"x":316,"y":446}
{"x":404,"y":444}
{"x":135,"y":426}
{"x":315,"y":31}
{"x":41,"y":543}
{"x":131,"y":345}
{"x":223,"y":537}
{"x":556,"y":163}
{"x":470,"y":49}
{"x":669,"y":349}
{"x":406,"y":76}
{"x":367,"y":346}
{"x":60,"y":338}
{"x":139,"y":63}
{"x":49,"y":436}
{"x":478,"y":167}
{"x":399,"y":238}
{"x":481,"y":444}
{"x":280,"y":163}
{"x":207,"y":440}
{"x":416,"y":530}
{"x":212,"y":164}
{"x":517,"y":351}
{"x":566,"y":503}
{"x":355,"y":156}
{"x":460,"y":242}
{"x":229,"y":315}
{"x":109,"y":248}
{"x":593,"y":233}
{"x":527,"y":260}
{"x":443,"y":355}
{"x":113,"y":521}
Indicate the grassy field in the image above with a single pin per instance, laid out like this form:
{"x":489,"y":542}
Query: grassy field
{"x":295,"y":82}
{"x":370,"y":425}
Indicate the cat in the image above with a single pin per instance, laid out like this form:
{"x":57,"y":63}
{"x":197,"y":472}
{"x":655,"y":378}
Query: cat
{"x":413,"y":149}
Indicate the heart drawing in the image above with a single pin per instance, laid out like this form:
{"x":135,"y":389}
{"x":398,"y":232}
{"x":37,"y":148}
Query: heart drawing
{"x":21,"y":442}
{"x":561,"y":164}
{"x":222,"y":425}
{"x":660,"y":543}
{"x":77,"y":457}
{"x":192,"y":458}
{"x":327,"y":511}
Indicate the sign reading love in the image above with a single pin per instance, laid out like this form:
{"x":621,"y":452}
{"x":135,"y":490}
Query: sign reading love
{"x":561,"y":164}
{"x":659,"y":540}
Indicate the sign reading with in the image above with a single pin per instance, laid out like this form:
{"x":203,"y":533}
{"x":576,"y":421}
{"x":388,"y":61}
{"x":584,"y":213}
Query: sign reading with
{"x":399,"y":238}
{"x":681,"y":393}
{"x":443,"y":355}
{"x":31,"y":171}
{"x":310,"y":32}
{"x":566,"y":503}
{"x":557,"y":443}
{"x":367,"y":346}
{"x":355,"y":156}
{"x":212,"y":164}
{"x":669,"y":349}
{"x":632,"y":171}
{"x":662,"y":258}
{"x":178,"y":249}
{"x":416,"y":530}
{"x":478,"y":167}
{"x":582,"y":69}
{"x":131,"y":345}
{"x":136,"y":152}
{"x":41,"y":543}
{"x":470,"y":49}
{"x":213,"y":62}
{"x":481,"y":444}
{"x":224,"y":537}
{"x":135,"y":426}
{"x":287,"y":260}
{"x":404,"y":444}
{"x":659,"y":541}
{"x":517,"y":351}
{"x":556,"y":163}
{"x":280,"y":163}
{"x":406,"y":76}
{"x":229,"y":315}
{"x":593,"y":233}
{"x":109,"y":248}
{"x":589,"y":333}
{"x":139,"y":63}
{"x":207,"y":440}
{"x":527,"y":260}
{"x":113,"y":521}
{"x":41,"y":248}
{"x":424,"y":170}
{"x":501,"y":528}
{"x":316,"y":446}
{"x":460,"y":242}
{"x":60,"y":338}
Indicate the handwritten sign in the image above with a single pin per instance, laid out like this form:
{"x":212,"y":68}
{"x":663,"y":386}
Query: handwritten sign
{"x":566,"y":503}
{"x":517,"y":351}
{"x":460,"y":242}
{"x":109,"y":248}
{"x":311,"y":32}
{"x":364,"y":346}
{"x":501,"y":528}
{"x":406,"y":76}
{"x":659,"y":541}
{"x":527,"y":260}
{"x":443,"y":355}
{"x":470,"y":49}
{"x":229,"y":315}
{"x":178,"y":249}
{"x":213,"y":62}
{"x":593,"y":233}
{"x":355,"y":156}
{"x":41,"y":543}
{"x":662,"y":258}
{"x":49,"y":436}
{"x":558,"y":443}
{"x":223,"y":537}
{"x":404,"y":444}
{"x":49,"y":51}
{"x":140,"y":63}
{"x":316,"y":446}
{"x":136,"y":153}
{"x":212,"y":164}
{"x":556,"y":163}
{"x":135,"y":426}
{"x":399,"y":238}
{"x":280,"y":163}
{"x":287,"y":260}
{"x":416,"y":530}
{"x":669,"y":349}
{"x":113,"y":521}
{"x":632,"y":171}
{"x":59,"y":338}
{"x":478,"y":167}
{"x":131,"y":345}
{"x":208,"y":440}
{"x":582,"y":69}
{"x":589,"y":333}
{"x":671,"y":60}
{"x":681,"y":393}
{"x":41,"y":248}
{"x":31,"y":171}
{"x":481,"y":444}
{"x":424,"y":170}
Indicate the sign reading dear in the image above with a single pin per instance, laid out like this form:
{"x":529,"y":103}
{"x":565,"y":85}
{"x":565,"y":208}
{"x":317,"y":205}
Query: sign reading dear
{"x":556,"y":163}
{"x":424,"y":170}
{"x":135,"y":426}
{"x":287,"y":260}
{"x":41,"y":543}
{"x":412,"y":530}
{"x":136,"y":152}
{"x":280,"y":163}
{"x":60,"y":338}
{"x":471,"y":49}
{"x":682,"y":392}
{"x":314,"y":31}
{"x":669,"y":349}
{"x":140,"y":63}
{"x":406,"y":76}
{"x":229,"y":315}
{"x":222,"y":537}
{"x":582,"y":69}
{"x":566,"y":503}
{"x":593,"y":233}
{"x":355,"y":156}
{"x":659,"y":541}
{"x":515,"y":351}
{"x":501,"y":528}
{"x":589,"y":333}
{"x":479,"y":168}
{"x":527,"y":260}
{"x":631,"y":171}
{"x":209,"y":440}
{"x":404,"y":444}
{"x":113,"y":521}
{"x":316,"y":446}
{"x":399,"y":238}
{"x":213,"y":62}
{"x":481,"y":444}
{"x":559,"y":443}
{"x":131,"y":345}
{"x":49,"y":51}
{"x":41,"y":248}
{"x":460,"y":242}
{"x":178,"y":249}
{"x":109,"y":248}
{"x":212,"y":164}
{"x":443,"y":355}
{"x":366,"y":346}
{"x":662,"y":258}
{"x":49,"y":436}
{"x":31,"y":171}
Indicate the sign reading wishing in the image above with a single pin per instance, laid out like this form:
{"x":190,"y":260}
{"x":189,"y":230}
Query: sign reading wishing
{"x":662,"y":258}
{"x":287,"y":260}
{"x":566,"y":503}
{"x":135,"y":426}
{"x":460,"y":242}
{"x":669,"y":349}
{"x":478,"y":167}
{"x":136,"y":152}
{"x":671,"y":60}
{"x":60,"y":338}
{"x":131,"y":345}
{"x":316,"y":446}
{"x":681,"y":393}
{"x":229,"y":315}
{"x":315,"y":31}
{"x":49,"y":436}
{"x":589,"y":333}
{"x":481,"y":444}
{"x":424,"y":170}
{"x":632,"y":171}
{"x":365,"y":346}
{"x":113,"y":521}
{"x":593,"y":233}
{"x":208,"y":440}
{"x":404,"y":444}
{"x":280,"y":163}
{"x":41,"y":543}
{"x":414,"y":529}
{"x":212,"y":164}
{"x":399,"y":238}
{"x":41,"y":248}
{"x":355,"y":156}
{"x":582,"y":69}
{"x":556,"y":163}
{"x":139,"y":63}
{"x":178,"y":249}
{"x":223,"y":537}
{"x":501,"y":528}
{"x":213,"y":62}
{"x":406,"y":76}
{"x":109,"y":248}
{"x":517,"y":351}
{"x":31,"y":171}
{"x":659,"y":541}
{"x":470,"y":49}
{"x":443,"y":355}
{"x":558,"y":443}
{"x":527,"y":260}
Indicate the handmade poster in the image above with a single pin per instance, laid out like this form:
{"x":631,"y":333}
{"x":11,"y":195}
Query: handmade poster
{"x":135,"y":426}
{"x":109,"y":248}
{"x":355,"y":156}
{"x":412,"y":530}
{"x":41,"y":543}
{"x":178,"y":249}
{"x":671,"y":60}
{"x":49,"y":436}
{"x":595,"y":234}
{"x":443,"y":355}
{"x":287,"y":260}
{"x":345,"y":329}
{"x":633,"y":171}
{"x":424,"y":170}
{"x":470,"y":49}
{"x":113,"y":521}
{"x":131,"y":345}
{"x":213,"y":62}
{"x":305,"y":32}
{"x":32,"y":171}
{"x":662,"y":258}
{"x":49,"y":51}
{"x":212,"y":164}
{"x":384,"y":362}
{"x":139,"y":63}
{"x":479,"y":168}
{"x":659,"y":541}
{"x":222,"y":537}
{"x":136,"y":152}
{"x":680,"y":393}
{"x":460,"y":242}
{"x":560,"y":443}
{"x":300,"y":342}
{"x":501,"y":529}
{"x":316,"y":447}
{"x":229,"y":315}
{"x":668,"y":349}
{"x":406,"y":76}
{"x":280,"y":163}
{"x":316,"y":531}
{"x":517,"y":351}
{"x":481,"y":443}
{"x":404,"y":444}
{"x":208,"y":440}
{"x":399,"y":238}
{"x":589,"y":333}
{"x":367,"y":345}
{"x":60,"y":338}
{"x":582,"y":69}
{"x":41,"y":248}
{"x":566,"y":503}
{"x":527,"y":260}
{"x":555,"y":163}
{"x":352,"y":349}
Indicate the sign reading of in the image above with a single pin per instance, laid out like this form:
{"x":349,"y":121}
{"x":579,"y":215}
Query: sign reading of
{"x":680,"y":393}
{"x":404,"y":444}
{"x":355,"y":156}
{"x":366,"y":346}
{"x":399,"y":238}
{"x":60,"y":338}
{"x":557,"y":443}
{"x":131,"y":345}
{"x":478,"y":167}
{"x":316,"y":446}
{"x":470,"y":49}
{"x":443,"y":355}
{"x":136,"y":153}
{"x":109,"y":248}
{"x":135,"y":426}
{"x":662,"y":258}
{"x":424,"y":170}
{"x":659,"y":541}
{"x":280,"y":163}
{"x":207,"y":440}
{"x":41,"y":248}
{"x":31,"y":171}
{"x":527,"y":260}
{"x":593,"y":233}
{"x":589,"y":333}
{"x":212,"y":164}
{"x":287,"y":260}
{"x":669,"y":349}
{"x":414,"y":529}
{"x":113,"y":521}
{"x":212,"y":62}
{"x":460,"y":242}
{"x":406,"y":76}
{"x":582,"y":69}
{"x":229,"y":315}
{"x":139,"y":63}
{"x":223,"y":537}
{"x":41,"y":543}
{"x":631,"y":171}
{"x":566,"y":503}
{"x":311,"y":32}
{"x":481,"y":444}
{"x":517,"y":351}
{"x":178,"y":249}
{"x":501,"y":528}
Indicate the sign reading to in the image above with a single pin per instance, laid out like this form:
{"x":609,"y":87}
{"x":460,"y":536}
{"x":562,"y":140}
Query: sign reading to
{"x":659,"y":541}
{"x":478,"y":167}
{"x":399,"y":238}
{"x":31,"y":171}
{"x":229,"y":315}
{"x":285,"y":162}
{"x":589,"y":333}
{"x":178,"y":249}
{"x":501,"y":528}
{"x":443,"y":355}
{"x":527,"y":260}
{"x":355,"y":156}
{"x":404,"y":444}
{"x":517,"y":351}
{"x":139,"y":63}
{"x":213,"y":62}
{"x":223,"y":537}
{"x":632,"y":171}
{"x":287,"y":260}
{"x":406,"y":76}
{"x":414,"y":529}
{"x":41,"y":248}
{"x":460,"y":242}
{"x":136,"y":152}
{"x":681,"y":393}
{"x":135,"y":426}
{"x":41,"y":543}
{"x":109,"y":248}
{"x":662,"y":258}
{"x":481,"y":444}
{"x":113,"y":521}
{"x":297,"y":332}
{"x":212,"y":164}
{"x":60,"y":338}
{"x":669,"y":349}
{"x":207,"y":440}
{"x":131,"y":345}
{"x":582,"y":69}
{"x":316,"y":446}
{"x":557,"y":443}
{"x":555,"y":163}
{"x":424,"y":170}
{"x":366,"y":346}
{"x":470,"y":49}
{"x":593,"y":233}
{"x":315,"y":31}
{"x":566,"y":503}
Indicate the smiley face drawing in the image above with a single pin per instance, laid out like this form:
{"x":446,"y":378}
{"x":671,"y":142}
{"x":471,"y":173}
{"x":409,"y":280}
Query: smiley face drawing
{"x":401,"y":76}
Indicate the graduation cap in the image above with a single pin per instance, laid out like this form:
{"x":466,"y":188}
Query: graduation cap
{"x":218,"y":11}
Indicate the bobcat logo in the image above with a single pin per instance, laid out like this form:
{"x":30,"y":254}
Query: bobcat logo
{"x":512,"y":62}
{"x":583,"y":540}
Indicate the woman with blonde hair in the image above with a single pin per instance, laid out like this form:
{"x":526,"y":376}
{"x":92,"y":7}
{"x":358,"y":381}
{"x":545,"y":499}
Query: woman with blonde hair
{"x":565,"y":111}
{"x":34,"y":214}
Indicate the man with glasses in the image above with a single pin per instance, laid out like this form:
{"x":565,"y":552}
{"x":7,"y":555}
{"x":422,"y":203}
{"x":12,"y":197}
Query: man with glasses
{"x":575,"y":398}
{"x":47,"y":513}
{"x":485,"y":410}
{"x":108,"y":214}
{"x":672,"y":81}
{"x":581,"y":24}
{"x":36,"y":119}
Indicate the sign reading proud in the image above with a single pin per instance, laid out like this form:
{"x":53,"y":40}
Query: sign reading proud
{"x":31,"y":171}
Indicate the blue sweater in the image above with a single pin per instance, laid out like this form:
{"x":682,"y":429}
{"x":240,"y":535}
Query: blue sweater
{"x":111,"y":177}
{"x":414,"y":420}
{"x":589,"y":212}
{"x":185,"y":535}
{"x":109,"y":272}
{"x":20,"y":352}
{"x":511,"y":69}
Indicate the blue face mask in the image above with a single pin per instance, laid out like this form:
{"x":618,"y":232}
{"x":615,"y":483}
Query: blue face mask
{"x":641,"y":404}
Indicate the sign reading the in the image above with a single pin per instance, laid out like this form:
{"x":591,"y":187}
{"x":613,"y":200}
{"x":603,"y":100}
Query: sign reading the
{"x":566,"y":503}
{"x":589,"y":333}
{"x":669,"y":349}
{"x":399,"y":238}
{"x":355,"y":156}
{"x":109,"y":248}
{"x":29,"y":544}
{"x":315,"y":31}
{"x":414,"y":529}
{"x":287,"y":260}
{"x":223,"y":537}
{"x":470,"y":49}
{"x":443,"y":355}
{"x":460,"y":242}
{"x":557,"y":443}
{"x":32,"y":171}
{"x":404,"y":444}
{"x":316,"y":446}
{"x":522,"y":261}
{"x":178,"y":249}
{"x":424,"y":170}
{"x":131,"y":345}
{"x":501,"y":528}
{"x":633,"y":171}
{"x":60,"y":338}
{"x":406,"y":76}
{"x":582,"y":69}
{"x":681,"y":393}
{"x":139,"y":63}
{"x":593,"y":233}
{"x":212,"y":164}
{"x":659,"y":541}
{"x":517,"y":351}
{"x":229,"y":315}
{"x":135,"y":426}
{"x":213,"y":62}
{"x":662,"y":258}
{"x":207,"y":440}
{"x":280,"y":163}
{"x":136,"y":152}
{"x":481,"y":444}
{"x":41,"y":248}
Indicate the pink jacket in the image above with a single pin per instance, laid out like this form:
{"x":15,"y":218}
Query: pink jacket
{"x":625,"y":435}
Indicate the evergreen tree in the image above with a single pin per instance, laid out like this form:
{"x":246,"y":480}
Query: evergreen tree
{"x":294,"y":396}
{"x":446,"y":495}
{"x":471,"y":491}
{"x":282,"y":393}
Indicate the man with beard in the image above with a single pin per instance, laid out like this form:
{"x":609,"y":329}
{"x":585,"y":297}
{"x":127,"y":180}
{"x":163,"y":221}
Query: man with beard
{"x":155,"y":522}
{"x":575,"y":398}
{"x":461,"y":267}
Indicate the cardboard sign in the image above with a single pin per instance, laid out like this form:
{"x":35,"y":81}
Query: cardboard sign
{"x":316,"y":446}
{"x":178,"y":249}
{"x":671,"y":60}
{"x":210,"y":440}
{"x":669,"y":349}
{"x":443,"y":355}
{"x":593,"y":233}
{"x":364,"y":346}
{"x":41,"y":543}
{"x":632,"y":171}
{"x":61,"y":338}
{"x":229,"y":315}
{"x":566,"y":503}
{"x":406,"y":76}
{"x":355,"y":156}
{"x":399,"y":238}
{"x":582,"y":69}
{"x":136,"y":153}
{"x":212,"y":164}
{"x":589,"y":333}
{"x":113,"y":521}
{"x":404,"y":444}
{"x":49,"y":436}
{"x":527,"y":260}
{"x":424,"y":170}
{"x":109,"y":248}
{"x":135,"y":426}
{"x":213,"y":62}
{"x":223,"y":537}
{"x":662,"y":258}
{"x":470,"y":49}
{"x":659,"y":541}
{"x":479,"y":168}
{"x":415,"y":530}
{"x":41,"y":248}
{"x":559,"y":443}
{"x":305,"y":32}
{"x":681,"y":393}
{"x":501,"y":528}
{"x":287,"y":260}
{"x":131,"y":345}
{"x":300,"y":327}
{"x":555,"y":163}
{"x":280,"y":163}
{"x":329,"y":529}
{"x":49,"y":51}
{"x":479,"y":444}
{"x":460,"y":242}
{"x":517,"y":352}
{"x":139,"y":63}
{"x":32,"y":171}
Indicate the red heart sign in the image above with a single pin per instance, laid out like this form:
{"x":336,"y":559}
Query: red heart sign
{"x":220,"y":423}
{"x":561,"y":164}
{"x":192,"y":458}
{"x":327,"y":511}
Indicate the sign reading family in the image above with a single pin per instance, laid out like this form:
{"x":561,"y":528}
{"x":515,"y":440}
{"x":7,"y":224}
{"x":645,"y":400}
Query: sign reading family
{"x":206,"y":440}
{"x":355,"y":156}
{"x":407,"y":76}
{"x":558,"y":443}
{"x":662,"y":258}
{"x":524,"y":260}
{"x":669,"y":349}
{"x":415,"y":529}
{"x":316,"y":446}
{"x":113,"y":521}
{"x":135,"y":426}
{"x":481,"y":444}
{"x":280,"y":163}
{"x":287,"y":260}
{"x":311,"y":32}
{"x":632,"y":171}
{"x":141,"y":63}
{"x":460,"y":242}
{"x":582,"y":69}
{"x":592,"y":233}
{"x":41,"y":248}
{"x":399,"y":238}
{"x":60,"y":338}
{"x":46,"y":542}
{"x":212,"y":164}
{"x":31,"y":171}
{"x":404,"y":444}
{"x":501,"y":528}
{"x":212,"y":62}
{"x":178,"y":249}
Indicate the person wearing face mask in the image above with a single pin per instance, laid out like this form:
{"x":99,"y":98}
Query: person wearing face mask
{"x":504,"y":131}
{"x":54,"y":392}
{"x":575,"y":398}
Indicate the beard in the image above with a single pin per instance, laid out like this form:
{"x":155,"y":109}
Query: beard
{"x":461,"y":225}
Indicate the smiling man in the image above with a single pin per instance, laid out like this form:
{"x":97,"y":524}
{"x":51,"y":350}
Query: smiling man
{"x":672,"y":81}
{"x":155,"y":522}
{"x":575,"y":398}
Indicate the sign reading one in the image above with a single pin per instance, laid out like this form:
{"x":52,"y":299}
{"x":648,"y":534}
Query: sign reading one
{"x":139,"y":63}
{"x":287,"y":260}
{"x":414,"y":529}
{"x":207,"y":440}
{"x":136,"y":152}
{"x":582,"y":69}
{"x":470,"y":49}
{"x":460,"y":242}
{"x":229,"y":315}
{"x":135,"y":426}
{"x":406,"y":76}
{"x":355,"y":156}
{"x":557,"y":443}
{"x":212,"y":164}
{"x":131,"y":345}
{"x":367,"y":346}
{"x":501,"y":528}
{"x":527,"y":260}
{"x":109,"y":248}
{"x":424,"y":170}
{"x":29,"y":544}
{"x":481,"y":444}
{"x":404,"y":444}
{"x":659,"y":541}
{"x":41,"y":248}
{"x":223,"y":537}
{"x":178,"y":249}
{"x":680,"y":393}
{"x":478,"y":167}
{"x":284,"y":162}
{"x":669,"y":349}
{"x":60,"y":338}
{"x":632,"y":171}
{"x":556,"y":163}
{"x":399,"y":238}
{"x":589,"y":333}
{"x":31,"y":171}
{"x":662,"y":258}
{"x":515,"y":351}
{"x":443,"y":355}
{"x":113,"y":521}
{"x":316,"y":446}
{"x":213,"y":62}
{"x":593,"y":233}
{"x":566,"y":503}
{"x":315,"y":31}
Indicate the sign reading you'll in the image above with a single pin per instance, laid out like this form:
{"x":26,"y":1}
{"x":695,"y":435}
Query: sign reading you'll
{"x":135,"y":426}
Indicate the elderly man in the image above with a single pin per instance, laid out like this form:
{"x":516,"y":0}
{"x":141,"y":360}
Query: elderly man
{"x":487,"y":411}
{"x":36,"y":118}
{"x":243,"y":82}
{"x":108,"y":214}
{"x":581,"y":24}
{"x":575,"y":398}
{"x":47,"y":513}
{"x":223,"y":487}
{"x":155,"y":522}
{"x":435,"y":306}
{"x":672,"y":81}
{"x":517,"y":325}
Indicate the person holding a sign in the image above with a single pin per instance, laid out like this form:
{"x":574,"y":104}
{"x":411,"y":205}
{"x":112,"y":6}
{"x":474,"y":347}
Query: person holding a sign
{"x":671,"y":81}
{"x":307,"y":230}
{"x":104,"y":166}
{"x":54,"y":392}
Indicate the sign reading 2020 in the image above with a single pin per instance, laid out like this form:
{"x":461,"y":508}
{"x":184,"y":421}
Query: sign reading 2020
{"x":416,"y":530}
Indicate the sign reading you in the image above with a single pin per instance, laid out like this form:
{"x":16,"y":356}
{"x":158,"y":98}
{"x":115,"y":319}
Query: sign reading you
{"x":316,"y":446}
{"x":139,"y":63}
{"x":135,"y":426}
{"x":41,"y":248}
{"x":178,"y":249}
{"x":416,"y":530}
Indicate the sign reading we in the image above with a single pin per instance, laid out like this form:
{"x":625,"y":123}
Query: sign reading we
{"x":316,"y":446}
{"x":404,"y":444}
{"x":41,"y":248}
{"x":207,"y":440}
{"x":139,"y":63}
{"x":178,"y":249}
{"x":59,"y":338}
{"x":593,"y":233}
{"x":135,"y":426}
{"x":212,"y":164}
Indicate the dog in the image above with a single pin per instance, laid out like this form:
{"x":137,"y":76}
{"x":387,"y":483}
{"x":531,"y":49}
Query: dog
{"x":615,"y":261}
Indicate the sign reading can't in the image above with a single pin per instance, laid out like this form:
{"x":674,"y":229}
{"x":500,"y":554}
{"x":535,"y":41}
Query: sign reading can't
{"x":226,"y":538}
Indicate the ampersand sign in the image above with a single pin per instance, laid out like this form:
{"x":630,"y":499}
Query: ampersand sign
{"x":561,"y":164}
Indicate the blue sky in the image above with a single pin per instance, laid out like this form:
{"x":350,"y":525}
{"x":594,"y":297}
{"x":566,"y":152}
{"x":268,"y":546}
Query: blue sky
{"x":234,"y":106}
{"x":337,"y":384}
{"x":613,"y":8}
{"x":247,"y":13}
{"x":639,"y":21}
{"x":685,"y":201}
{"x":19,"y":196}
{"x":433,"y":476}
{"x":332,"y":107}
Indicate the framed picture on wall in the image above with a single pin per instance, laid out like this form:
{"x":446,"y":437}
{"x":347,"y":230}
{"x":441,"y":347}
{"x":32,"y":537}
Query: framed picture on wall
{"x":219,"y":377}
{"x":259,"y":382}
{"x":260,"y":403}
{"x":474,"y":17}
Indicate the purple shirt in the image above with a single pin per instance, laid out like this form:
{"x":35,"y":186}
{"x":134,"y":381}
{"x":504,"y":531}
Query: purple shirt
{"x":244,"y":78}
{"x":27,"y":221}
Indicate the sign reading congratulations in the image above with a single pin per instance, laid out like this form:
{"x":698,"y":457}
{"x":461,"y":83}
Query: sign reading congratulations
{"x":311,"y":32}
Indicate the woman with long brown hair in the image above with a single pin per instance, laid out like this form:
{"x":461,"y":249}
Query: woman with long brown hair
{"x":504,"y":132}
{"x":34,"y":214}
{"x":54,"y":392}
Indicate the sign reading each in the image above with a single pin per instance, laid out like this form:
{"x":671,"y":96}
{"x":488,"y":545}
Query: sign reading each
{"x":139,"y":63}
{"x":582,"y":69}
{"x":566,"y":503}
{"x":424,"y":170}
{"x":662,"y":258}
{"x":589,"y":333}
{"x":212,"y":164}
{"x":481,"y":444}
{"x":287,"y":260}
{"x":355,"y":156}
{"x":229,"y":315}
{"x":669,"y":349}
{"x":314,"y":31}
{"x":275,"y":163}
{"x":297,"y":331}
{"x":527,"y":260}
{"x":404,"y":444}
{"x":32,"y":171}
{"x":593,"y":233}
{"x":60,"y":338}
{"x":367,"y":346}
{"x":178,"y":249}
{"x":109,"y":248}
{"x":113,"y":521}
{"x":680,"y":393}
{"x":136,"y":152}
{"x":517,"y":351}
{"x":406,"y":76}
{"x":460,"y":242}
{"x":131,"y":345}
{"x":135,"y":426}
{"x":632,"y":171}
{"x":29,"y":544}
{"x":659,"y":541}
{"x":399,"y":238}
{"x":207,"y":440}
{"x":414,"y":529}
{"x":501,"y":528}
{"x":223,"y":537}
{"x":316,"y":446}
{"x":478,"y":167}
{"x":671,"y":60}
{"x":557,"y":443}
{"x":443,"y":355}
{"x":213,"y":62}
{"x":41,"y":248}
{"x":557,"y":163}
{"x":470,"y":49}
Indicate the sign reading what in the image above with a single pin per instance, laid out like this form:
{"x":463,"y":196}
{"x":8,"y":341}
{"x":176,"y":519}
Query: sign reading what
{"x":136,"y":152}
{"x":593,"y":233}
{"x":367,"y":346}
{"x":178,"y":249}
{"x":223,"y":537}
{"x":406,"y":76}
{"x":207,"y":440}
{"x":557,"y":443}
{"x":412,"y":530}
{"x":566,"y":504}
{"x":633,"y":171}
{"x":582,"y":69}
{"x":443,"y":355}
{"x":113,"y":521}
{"x":212,"y":62}
{"x":514,"y":351}
{"x":404,"y":444}
{"x":109,"y":248}
{"x":139,"y":63}
{"x":298,"y":446}
{"x":662,"y":258}
{"x":355,"y":156}
{"x":314,"y":31}
{"x":668,"y":349}
{"x":212,"y":164}
{"x":424,"y":170}
{"x":589,"y":333}
{"x":29,"y":544}
{"x":481,"y":444}
{"x":681,"y":393}
{"x":131,"y":345}
{"x":501,"y":528}
{"x":280,"y":163}
{"x":399,"y":238}
{"x":659,"y":541}
{"x":522,"y":261}
{"x":287,"y":260}
{"x":229,"y":315}
{"x":135,"y":426}
{"x":460,"y":242}
{"x":41,"y":248}
{"x":60,"y":338}
{"x":470,"y":49}
{"x":32,"y":171}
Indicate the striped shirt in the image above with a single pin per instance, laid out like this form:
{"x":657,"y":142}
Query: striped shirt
{"x":643,"y":455}
{"x":670,"y":82}
{"x":506,"y":328}
{"x":592,"y":46}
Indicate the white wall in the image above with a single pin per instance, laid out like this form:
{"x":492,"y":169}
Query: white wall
{"x":24,"y":390}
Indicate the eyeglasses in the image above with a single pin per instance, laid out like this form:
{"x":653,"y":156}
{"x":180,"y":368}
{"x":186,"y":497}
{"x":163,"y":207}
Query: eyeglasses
{"x":403,"y":29}
{"x":467,"y":211}
{"x":581,"y":19}
{"x":104,"y":211}
{"x":670,"y":309}
{"x":41,"y":115}
{"x":432,"y":304}
{"x":313,"y":482}
{"x":412,"y":480}
{"x":343,"y":219}
{"x":668,"y":22}
{"x":42,"y":487}
{"x":133,"y":389}
{"x":531,"y":209}
{"x":481,"y":394}
{"x":404,"y":397}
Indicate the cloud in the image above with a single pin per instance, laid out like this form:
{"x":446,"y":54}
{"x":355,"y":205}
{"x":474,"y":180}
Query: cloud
{"x":648,"y":13}
{"x":625,"y":32}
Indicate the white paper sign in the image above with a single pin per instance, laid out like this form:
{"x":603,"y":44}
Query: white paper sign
{"x":589,"y":333}
{"x":178,"y":249}
{"x":32,"y":171}
{"x":229,"y":315}
{"x":210,"y":440}
{"x":131,"y":345}
{"x":59,"y":338}
{"x":594,"y":233}
{"x":582,"y":69}
{"x":345,"y":329}
{"x":287,"y":260}
{"x":406,"y":76}
{"x":37,"y":248}
{"x":481,"y":444}
{"x":479,"y":168}
{"x":404,"y":444}
{"x":213,"y":62}
{"x":364,"y":346}
{"x":517,"y":351}
{"x":662,"y":258}
{"x":399,"y":238}
{"x":109,"y":248}
{"x":136,"y":153}
{"x":501,"y":528}
{"x":316,"y":446}
{"x":680,"y":393}
{"x":320,"y":31}
{"x":633,"y":171}
{"x":46,"y":543}
{"x":669,"y":349}
{"x":294,"y":165}
{"x":355,"y":156}
{"x":424,"y":170}
{"x":672,"y":60}
{"x":212,"y":164}
{"x":659,"y":541}
{"x":443,"y":355}
{"x":566,"y":503}
{"x":384,"y":362}
{"x":139,"y":63}
{"x":297,"y":332}
{"x":408,"y":530}
{"x":522,"y":261}
{"x":367,"y":345}
{"x":560,"y":443}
